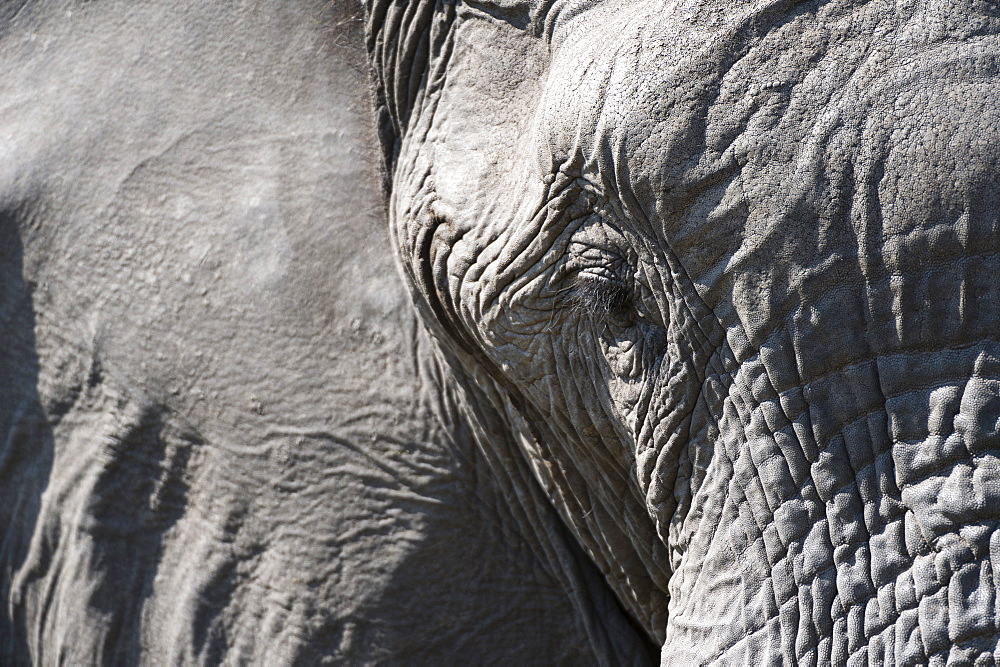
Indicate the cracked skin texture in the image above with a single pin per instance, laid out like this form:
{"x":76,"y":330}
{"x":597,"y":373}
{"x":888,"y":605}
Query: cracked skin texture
{"x":731,"y":270}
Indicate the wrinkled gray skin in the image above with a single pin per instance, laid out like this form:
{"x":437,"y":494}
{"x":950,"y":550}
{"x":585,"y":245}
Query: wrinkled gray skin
{"x":731,"y":270}
{"x":224,"y":437}
{"x":701,"y":293}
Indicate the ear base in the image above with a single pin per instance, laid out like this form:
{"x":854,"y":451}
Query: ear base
{"x":401,"y":36}
{"x":409,"y":44}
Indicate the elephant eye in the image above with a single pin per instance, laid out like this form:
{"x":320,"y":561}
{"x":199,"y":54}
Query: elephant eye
{"x":605,"y":298}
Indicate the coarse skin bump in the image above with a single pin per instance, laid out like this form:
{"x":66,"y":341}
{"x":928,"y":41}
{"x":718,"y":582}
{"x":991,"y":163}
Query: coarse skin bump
{"x":757,"y":358}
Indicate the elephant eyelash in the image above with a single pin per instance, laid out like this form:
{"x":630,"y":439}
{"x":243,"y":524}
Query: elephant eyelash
{"x":605,"y":299}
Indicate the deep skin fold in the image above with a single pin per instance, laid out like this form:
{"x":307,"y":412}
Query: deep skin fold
{"x":792,"y":438}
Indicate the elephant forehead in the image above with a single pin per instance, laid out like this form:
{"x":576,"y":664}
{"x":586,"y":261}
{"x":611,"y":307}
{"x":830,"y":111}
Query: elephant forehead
{"x":653,"y":111}
{"x":685,"y":94}
{"x":603,"y":101}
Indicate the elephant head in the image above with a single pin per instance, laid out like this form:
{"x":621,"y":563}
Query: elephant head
{"x":730,"y":274}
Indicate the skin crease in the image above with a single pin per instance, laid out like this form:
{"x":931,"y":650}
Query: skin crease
{"x":729,"y":270}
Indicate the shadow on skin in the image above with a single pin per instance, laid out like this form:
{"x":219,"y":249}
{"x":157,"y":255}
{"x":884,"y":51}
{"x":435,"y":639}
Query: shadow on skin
{"x":135,"y":495}
{"x":26,"y":449}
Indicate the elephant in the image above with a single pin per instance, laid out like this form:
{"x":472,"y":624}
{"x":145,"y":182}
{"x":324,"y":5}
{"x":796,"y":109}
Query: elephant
{"x":550,"y":331}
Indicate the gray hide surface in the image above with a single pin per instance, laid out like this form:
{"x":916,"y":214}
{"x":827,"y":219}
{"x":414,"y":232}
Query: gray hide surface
{"x":223,"y":438}
{"x":732,"y":269}
{"x":697,"y":340}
